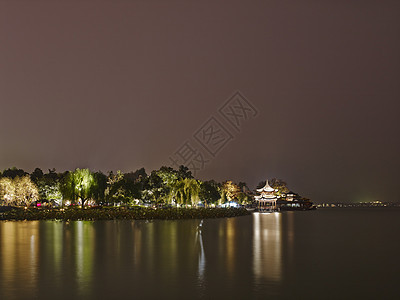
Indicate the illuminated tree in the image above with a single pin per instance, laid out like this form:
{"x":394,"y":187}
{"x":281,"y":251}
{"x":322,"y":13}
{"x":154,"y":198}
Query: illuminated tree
{"x":115,"y":191}
{"x":185,"y":191}
{"x":124,"y":187}
{"x":7,"y":190}
{"x":165,"y":185}
{"x":79,"y":185}
{"x":48,"y":185}
{"x":25,"y":191}
{"x":244,"y":198}
{"x":192,"y":191}
{"x":49,"y":190}
{"x":18,"y":191}
{"x":230,"y":190}
{"x":279,"y":185}
{"x":159,"y":185}
{"x":178,"y":192}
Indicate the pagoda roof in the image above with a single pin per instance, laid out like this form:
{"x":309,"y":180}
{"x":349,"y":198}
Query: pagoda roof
{"x":266,"y":188}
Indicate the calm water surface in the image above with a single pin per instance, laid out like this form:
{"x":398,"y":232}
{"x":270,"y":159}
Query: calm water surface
{"x":323,"y":254}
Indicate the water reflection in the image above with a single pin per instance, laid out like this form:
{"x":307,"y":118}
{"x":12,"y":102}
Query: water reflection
{"x":228,"y":242}
{"x":120,"y":258}
{"x":19,"y":250}
{"x":267,"y":247}
{"x":202,"y":256}
{"x":260,"y":256}
{"x":84,"y":252}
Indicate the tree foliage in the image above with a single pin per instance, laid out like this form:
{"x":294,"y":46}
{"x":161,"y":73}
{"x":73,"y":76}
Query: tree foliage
{"x":14,"y":172}
{"x":19,"y":191}
{"x":210,"y":192}
{"x":279,"y":185}
{"x":163,"y":186}
{"x":230,"y":190}
{"x":48,"y":185}
{"x":185,"y":191}
{"x":79,"y":185}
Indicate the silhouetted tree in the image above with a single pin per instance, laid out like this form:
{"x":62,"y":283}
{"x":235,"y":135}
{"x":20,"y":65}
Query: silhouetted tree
{"x":210,"y":192}
{"x":36,"y":175}
{"x":14,"y":172}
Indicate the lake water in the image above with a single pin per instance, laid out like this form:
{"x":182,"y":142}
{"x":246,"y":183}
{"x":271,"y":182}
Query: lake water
{"x":323,"y":254}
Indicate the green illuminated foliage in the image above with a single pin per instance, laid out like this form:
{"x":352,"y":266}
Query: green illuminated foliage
{"x":185,"y":191}
{"x":79,"y":185}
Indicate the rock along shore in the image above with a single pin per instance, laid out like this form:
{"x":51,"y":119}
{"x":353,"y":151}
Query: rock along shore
{"x":120,"y":213}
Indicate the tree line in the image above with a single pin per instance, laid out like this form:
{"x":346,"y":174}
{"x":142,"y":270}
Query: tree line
{"x":165,"y":186}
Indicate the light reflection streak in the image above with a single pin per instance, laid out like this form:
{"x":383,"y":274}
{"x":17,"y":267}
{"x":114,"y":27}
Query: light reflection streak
{"x":290,"y":235}
{"x":202,"y":257}
{"x":267,"y":246}
{"x":230,"y":245}
{"x":33,"y":258}
{"x":137,"y":244}
{"x":58,"y":243}
{"x":84,"y":253}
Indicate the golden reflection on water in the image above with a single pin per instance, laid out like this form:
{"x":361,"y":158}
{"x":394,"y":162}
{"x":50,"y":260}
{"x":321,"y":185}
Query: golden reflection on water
{"x":227,"y":244}
{"x":79,"y":257}
{"x":53,"y":247}
{"x":84,"y":253}
{"x":230,"y":243}
{"x":19,"y":248}
{"x":267,"y":246}
{"x":137,"y":246}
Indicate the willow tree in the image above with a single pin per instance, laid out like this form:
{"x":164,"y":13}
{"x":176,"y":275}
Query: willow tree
{"x":79,"y":185}
{"x":186,"y":191}
{"x":177,"y":192}
{"x":192,"y":189}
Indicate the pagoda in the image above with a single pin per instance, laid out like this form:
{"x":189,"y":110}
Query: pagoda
{"x":267,"y":198}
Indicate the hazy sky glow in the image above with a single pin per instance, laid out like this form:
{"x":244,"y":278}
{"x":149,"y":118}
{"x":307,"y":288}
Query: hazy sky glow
{"x":122,"y":84}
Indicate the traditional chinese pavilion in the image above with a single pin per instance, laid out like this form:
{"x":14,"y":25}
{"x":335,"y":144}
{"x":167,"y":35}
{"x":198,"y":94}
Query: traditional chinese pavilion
{"x":267,"y":198}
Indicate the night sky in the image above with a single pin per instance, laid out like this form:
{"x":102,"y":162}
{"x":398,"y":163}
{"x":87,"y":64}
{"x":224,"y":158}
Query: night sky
{"x":114,"y":85}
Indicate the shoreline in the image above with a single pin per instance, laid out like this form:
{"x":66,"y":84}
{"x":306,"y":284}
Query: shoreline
{"x":119,"y":213}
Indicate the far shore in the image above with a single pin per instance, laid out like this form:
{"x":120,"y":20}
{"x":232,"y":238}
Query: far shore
{"x":118,"y":213}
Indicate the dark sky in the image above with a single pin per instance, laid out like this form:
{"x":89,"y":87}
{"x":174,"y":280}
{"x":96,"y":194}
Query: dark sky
{"x":123,"y":84}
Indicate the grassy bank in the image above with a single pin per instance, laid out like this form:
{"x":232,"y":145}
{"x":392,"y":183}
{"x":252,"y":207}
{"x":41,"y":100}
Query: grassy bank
{"x":115,"y":213}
